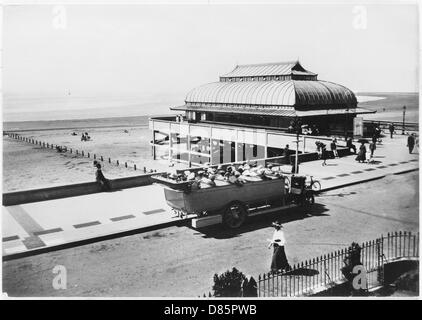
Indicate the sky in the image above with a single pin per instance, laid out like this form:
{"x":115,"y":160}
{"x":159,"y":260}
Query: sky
{"x":166,"y":50}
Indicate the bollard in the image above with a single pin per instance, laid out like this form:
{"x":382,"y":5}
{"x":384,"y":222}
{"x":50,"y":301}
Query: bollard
{"x":82,"y":153}
{"x":102,"y":159}
{"x":145,"y":170}
{"x":134,"y":166}
{"x":109,"y":160}
{"x":70,"y":150}
{"x":77,"y":152}
{"x":88,"y":154}
{"x":126,"y":164}
{"x":117,"y":161}
{"x":95,"y":157}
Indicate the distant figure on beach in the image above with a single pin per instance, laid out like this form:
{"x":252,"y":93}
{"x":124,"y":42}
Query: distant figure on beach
{"x":101,"y":180}
{"x":83,"y":138}
{"x":391,"y":128}
{"x":126,"y":131}
{"x":411,"y":142}
{"x":74,"y":133}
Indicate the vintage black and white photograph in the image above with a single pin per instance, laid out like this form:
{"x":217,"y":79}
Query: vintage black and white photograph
{"x":203,"y":149}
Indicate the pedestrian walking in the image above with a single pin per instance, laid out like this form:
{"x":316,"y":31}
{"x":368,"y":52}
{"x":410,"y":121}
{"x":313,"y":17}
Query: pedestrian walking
{"x":286,"y":153}
{"x":333,"y":146}
{"x":350,"y":145}
{"x":286,"y":150}
{"x":324,"y":154}
{"x":411,"y":142}
{"x":391,"y":128}
{"x":362,"y":153}
{"x":101,"y":180}
{"x":374,"y":138}
{"x":372,"y":147}
{"x":279,"y":260}
{"x":377,"y":132}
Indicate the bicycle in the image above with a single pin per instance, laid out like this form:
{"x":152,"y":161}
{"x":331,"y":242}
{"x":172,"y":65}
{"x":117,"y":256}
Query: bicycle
{"x":314,"y":185}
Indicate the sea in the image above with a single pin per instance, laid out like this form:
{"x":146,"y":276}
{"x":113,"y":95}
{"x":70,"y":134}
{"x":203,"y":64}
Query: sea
{"x":72,"y":112}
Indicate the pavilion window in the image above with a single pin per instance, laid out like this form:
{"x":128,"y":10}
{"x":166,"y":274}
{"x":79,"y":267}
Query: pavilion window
{"x":254,"y":150}
{"x":221,"y":144}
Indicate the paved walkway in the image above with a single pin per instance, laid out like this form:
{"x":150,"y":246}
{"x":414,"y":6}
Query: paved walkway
{"x":390,"y":157}
{"x":40,"y":226}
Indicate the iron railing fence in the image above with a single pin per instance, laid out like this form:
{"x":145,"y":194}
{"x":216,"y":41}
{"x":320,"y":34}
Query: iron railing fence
{"x":399,"y":127}
{"x":321,"y":273}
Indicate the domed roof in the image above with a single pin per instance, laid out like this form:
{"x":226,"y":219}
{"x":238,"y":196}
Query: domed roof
{"x":274,"y":93}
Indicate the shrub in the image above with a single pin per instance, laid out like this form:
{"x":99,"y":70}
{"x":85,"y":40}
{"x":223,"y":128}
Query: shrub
{"x":234,"y":284}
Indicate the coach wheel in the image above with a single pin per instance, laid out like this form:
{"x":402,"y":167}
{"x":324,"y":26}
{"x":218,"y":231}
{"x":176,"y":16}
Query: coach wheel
{"x":234,"y":215}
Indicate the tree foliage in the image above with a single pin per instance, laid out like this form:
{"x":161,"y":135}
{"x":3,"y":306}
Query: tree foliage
{"x":234,"y":284}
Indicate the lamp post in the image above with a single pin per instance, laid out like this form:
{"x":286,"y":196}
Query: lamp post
{"x":346,"y":123}
{"x":404,"y":115}
{"x":297,"y":127}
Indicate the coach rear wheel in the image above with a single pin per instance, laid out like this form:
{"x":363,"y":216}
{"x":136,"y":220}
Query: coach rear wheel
{"x":235,"y":215}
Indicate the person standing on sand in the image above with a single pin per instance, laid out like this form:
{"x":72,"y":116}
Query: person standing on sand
{"x":279,"y":260}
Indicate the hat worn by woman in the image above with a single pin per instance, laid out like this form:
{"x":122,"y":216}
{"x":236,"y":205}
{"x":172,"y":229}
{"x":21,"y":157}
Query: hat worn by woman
{"x":277,"y":224}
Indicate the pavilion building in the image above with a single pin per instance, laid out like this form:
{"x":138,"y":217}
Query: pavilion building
{"x":247,"y":114}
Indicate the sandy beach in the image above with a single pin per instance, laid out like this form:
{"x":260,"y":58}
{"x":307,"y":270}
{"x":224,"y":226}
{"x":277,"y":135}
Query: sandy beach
{"x":27,"y":166}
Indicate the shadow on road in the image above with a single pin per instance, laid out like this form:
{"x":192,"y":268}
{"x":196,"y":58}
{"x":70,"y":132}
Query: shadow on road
{"x":264,"y":221}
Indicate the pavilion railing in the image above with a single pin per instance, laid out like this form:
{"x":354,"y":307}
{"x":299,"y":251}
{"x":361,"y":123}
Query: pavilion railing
{"x":321,"y":273}
{"x":399,"y":126}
